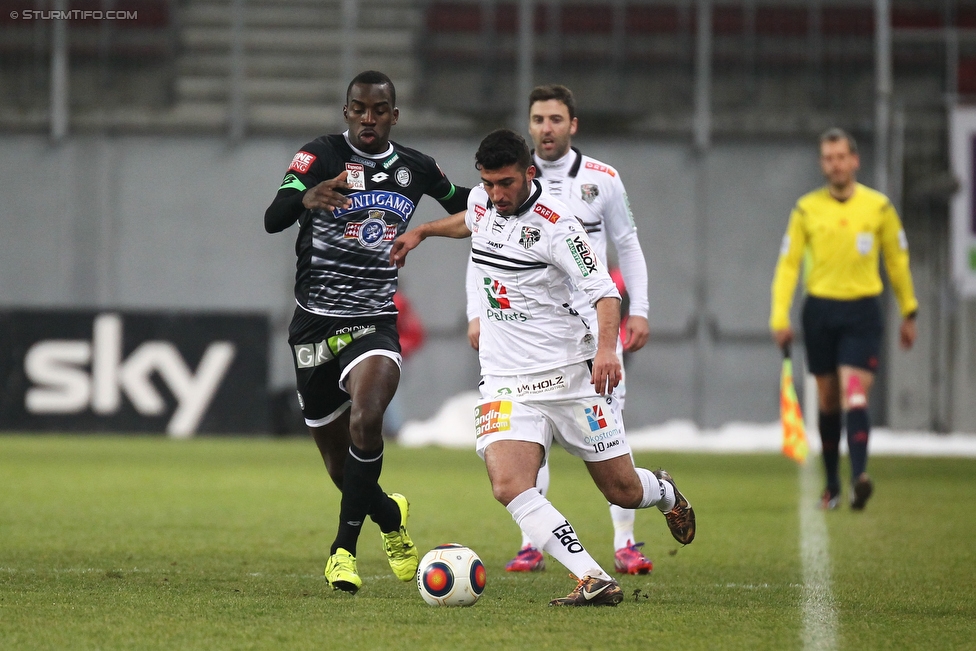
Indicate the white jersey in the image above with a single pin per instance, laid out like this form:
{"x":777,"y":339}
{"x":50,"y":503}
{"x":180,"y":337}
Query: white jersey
{"x":595,"y":195}
{"x":527,"y":268}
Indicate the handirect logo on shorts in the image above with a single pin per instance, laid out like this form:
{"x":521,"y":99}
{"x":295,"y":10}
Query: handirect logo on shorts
{"x":372,"y":231}
{"x":582,"y":255}
{"x":492,"y":417}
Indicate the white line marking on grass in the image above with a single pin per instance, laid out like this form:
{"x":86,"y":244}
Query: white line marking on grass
{"x":819,"y":612}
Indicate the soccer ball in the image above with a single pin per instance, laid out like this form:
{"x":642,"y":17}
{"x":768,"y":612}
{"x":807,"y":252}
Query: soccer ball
{"x":451,"y":575}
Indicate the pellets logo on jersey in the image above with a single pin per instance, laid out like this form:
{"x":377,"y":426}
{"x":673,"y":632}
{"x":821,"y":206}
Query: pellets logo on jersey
{"x":600,"y":168}
{"x":589,"y":192}
{"x":584,"y":258}
{"x":497,"y":295}
{"x":492,"y":417}
{"x":595,"y":418}
{"x":529,"y":236}
{"x":301,"y":162}
{"x":547,"y":213}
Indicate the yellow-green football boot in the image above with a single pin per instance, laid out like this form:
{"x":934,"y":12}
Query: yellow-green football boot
{"x":400,"y":550}
{"x":341,"y":572}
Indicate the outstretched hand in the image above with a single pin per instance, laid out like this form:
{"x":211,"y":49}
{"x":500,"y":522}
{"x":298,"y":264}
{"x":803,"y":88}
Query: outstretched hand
{"x":326,"y":195}
{"x":403,"y":245}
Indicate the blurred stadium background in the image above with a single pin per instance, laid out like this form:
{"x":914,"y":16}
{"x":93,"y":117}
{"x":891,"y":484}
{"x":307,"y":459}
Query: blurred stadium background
{"x":138,"y":154}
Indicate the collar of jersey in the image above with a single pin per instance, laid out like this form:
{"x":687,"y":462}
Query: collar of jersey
{"x":573,"y":169}
{"x":389,"y":149}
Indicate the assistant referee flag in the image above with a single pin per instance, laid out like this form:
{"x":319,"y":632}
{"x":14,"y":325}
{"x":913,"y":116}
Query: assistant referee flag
{"x":794,"y":435}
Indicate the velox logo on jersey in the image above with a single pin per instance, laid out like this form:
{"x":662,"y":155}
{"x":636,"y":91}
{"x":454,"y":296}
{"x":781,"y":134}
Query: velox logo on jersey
{"x":497,"y":295}
{"x":393,"y":202}
{"x":301,"y":162}
{"x":600,"y":168}
{"x":492,"y":417}
{"x":371,"y":232}
{"x":584,"y":258}
{"x":547,"y":213}
{"x":356,"y":176}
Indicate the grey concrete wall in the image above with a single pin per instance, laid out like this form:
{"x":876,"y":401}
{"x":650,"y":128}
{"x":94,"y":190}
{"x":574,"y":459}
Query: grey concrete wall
{"x":176,"y":223}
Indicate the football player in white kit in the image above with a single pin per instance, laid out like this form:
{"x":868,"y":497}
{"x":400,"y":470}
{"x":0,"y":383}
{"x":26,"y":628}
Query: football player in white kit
{"x":596,"y":196}
{"x":546,"y":377}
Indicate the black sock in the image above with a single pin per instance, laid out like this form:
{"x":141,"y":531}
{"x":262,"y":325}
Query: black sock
{"x":858,"y":431}
{"x":830,"y":439}
{"x":360,"y":492}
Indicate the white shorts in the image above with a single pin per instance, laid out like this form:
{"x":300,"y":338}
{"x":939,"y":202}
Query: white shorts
{"x":559,"y":405}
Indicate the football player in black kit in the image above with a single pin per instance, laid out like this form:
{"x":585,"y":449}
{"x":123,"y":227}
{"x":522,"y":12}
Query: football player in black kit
{"x":352,"y":194}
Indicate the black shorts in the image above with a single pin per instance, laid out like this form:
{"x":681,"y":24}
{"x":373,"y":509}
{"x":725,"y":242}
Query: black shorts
{"x":841,"y":333}
{"x":323,"y":348}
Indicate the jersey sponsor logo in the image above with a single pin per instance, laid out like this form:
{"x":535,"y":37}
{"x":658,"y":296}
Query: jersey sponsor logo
{"x":589,"y":192}
{"x":379,"y":177}
{"x":600,"y":168}
{"x":497,"y":294}
{"x":493,"y":417}
{"x":356,"y":177}
{"x":365,"y":161}
{"x":547,"y":213}
{"x":567,"y":537}
{"x":388,"y":163}
{"x":393,"y":202}
{"x":402,"y":177}
{"x":301,"y":162}
{"x":372,"y":231}
{"x":529,"y":236}
{"x":864,"y":243}
{"x":584,"y":258}
{"x":604,"y":432}
{"x":546,"y":385}
{"x":595,"y":418}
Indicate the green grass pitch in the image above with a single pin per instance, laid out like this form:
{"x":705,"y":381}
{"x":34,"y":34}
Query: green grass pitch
{"x":146,"y":543}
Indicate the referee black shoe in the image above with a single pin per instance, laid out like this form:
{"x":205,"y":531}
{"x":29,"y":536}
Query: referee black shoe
{"x":861,"y":492}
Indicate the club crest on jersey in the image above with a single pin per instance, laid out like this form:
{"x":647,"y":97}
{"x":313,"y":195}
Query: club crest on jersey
{"x":547,"y":213}
{"x":582,"y":254}
{"x":356,"y":177}
{"x":372,"y":231}
{"x":391,"y":202}
{"x":301,"y":162}
{"x":589,"y":192}
{"x":529,"y":236}
{"x":402,"y":177}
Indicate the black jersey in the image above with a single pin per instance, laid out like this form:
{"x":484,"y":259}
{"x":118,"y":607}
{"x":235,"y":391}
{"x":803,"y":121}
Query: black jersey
{"x":343,"y":266}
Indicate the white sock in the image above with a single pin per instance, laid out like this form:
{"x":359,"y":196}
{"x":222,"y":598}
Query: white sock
{"x":550,"y":531}
{"x":656,"y":492}
{"x":542,"y":483}
{"x":623,"y":526}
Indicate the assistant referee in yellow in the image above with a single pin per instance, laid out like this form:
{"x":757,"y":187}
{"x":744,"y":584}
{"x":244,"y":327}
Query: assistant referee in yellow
{"x":841,"y":229}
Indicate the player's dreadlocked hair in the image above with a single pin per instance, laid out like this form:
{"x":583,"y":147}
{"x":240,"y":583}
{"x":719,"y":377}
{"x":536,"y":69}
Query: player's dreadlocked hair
{"x":501,"y":148}
{"x":557,"y":92}
{"x":372,"y":78}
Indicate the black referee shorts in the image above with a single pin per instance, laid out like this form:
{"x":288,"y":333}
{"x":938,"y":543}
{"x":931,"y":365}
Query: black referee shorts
{"x":323,"y":347}
{"x":841,"y":333}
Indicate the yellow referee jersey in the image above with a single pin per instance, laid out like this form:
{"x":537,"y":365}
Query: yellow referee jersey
{"x":844,"y":239}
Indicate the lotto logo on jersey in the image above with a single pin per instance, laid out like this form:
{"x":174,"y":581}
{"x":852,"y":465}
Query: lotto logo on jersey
{"x":547,"y":213}
{"x":600,"y":168}
{"x":492,"y":417}
{"x":301,"y":162}
{"x":595,"y":418}
{"x":582,"y":255}
{"x":497,"y":295}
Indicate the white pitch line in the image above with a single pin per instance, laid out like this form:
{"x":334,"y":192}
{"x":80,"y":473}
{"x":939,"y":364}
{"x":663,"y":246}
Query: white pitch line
{"x":819,"y":612}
